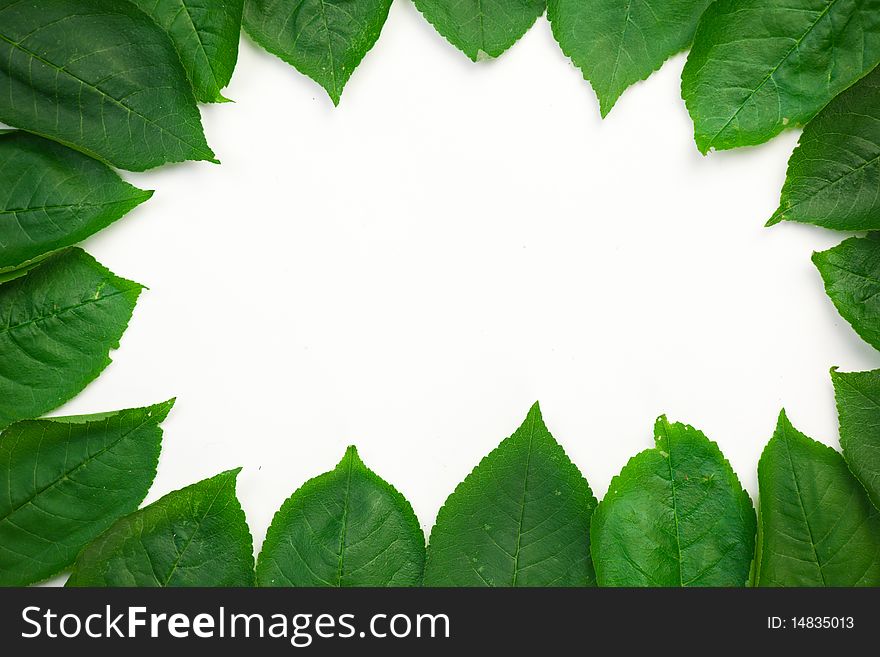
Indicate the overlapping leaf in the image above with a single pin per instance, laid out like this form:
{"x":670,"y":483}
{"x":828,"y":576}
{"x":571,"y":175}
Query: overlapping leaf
{"x":757,"y":66}
{"x":834,"y":174}
{"x":521,"y":518}
{"x":196,"y":536}
{"x":53,"y":197}
{"x":617,"y":43}
{"x":63,"y":481}
{"x":676,"y":515}
{"x":851,"y":271}
{"x":346,"y":527}
{"x":205,"y":33}
{"x":324,"y":39}
{"x":58,"y":324}
{"x":817,"y":526}
{"x":481,"y":27}
{"x":858,"y":406}
{"x":99,"y":76}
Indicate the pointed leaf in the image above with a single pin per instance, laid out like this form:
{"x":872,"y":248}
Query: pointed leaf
{"x":616,"y":43}
{"x":757,"y":66}
{"x":58,"y":324}
{"x":851,"y":271}
{"x":521,"y":518}
{"x":63,"y":481}
{"x":196,"y":536}
{"x":324,"y":39}
{"x":482,"y":27}
{"x":205,"y":33}
{"x":858,"y":406}
{"x":346,"y":527}
{"x":817,"y":526}
{"x":834,"y":173}
{"x":99,"y":76}
{"x":52,"y":197}
{"x":676,"y":515}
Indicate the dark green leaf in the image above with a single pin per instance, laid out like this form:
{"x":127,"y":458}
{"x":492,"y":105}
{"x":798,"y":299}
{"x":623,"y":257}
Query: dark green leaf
{"x":58,"y":324}
{"x":851,"y":271}
{"x":196,"y":536}
{"x":324,"y":39}
{"x":521,"y":518}
{"x":63,"y":481}
{"x":834,"y":174}
{"x":817,"y":527}
{"x":858,"y":406}
{"x":205,"y":33}
{"x":346,"y":527}
{"x":481,"y":28}
{"x":99,"y":76}
{"x":757,"y":66}
{"x":676,"y":515}
{"x":52,"y":197}
{"x":617,"y":43}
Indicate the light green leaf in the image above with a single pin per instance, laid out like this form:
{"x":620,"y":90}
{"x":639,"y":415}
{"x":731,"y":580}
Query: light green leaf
{"x":521,"y":518}
{"x":858,"y":407}
{"x":52,"y":197}
{"x":205,"y":33}
{"x":99,"y":76}
{"x":616,"y":43}
{"x":851,"y":271}
{"x":817,"y":526}
{"x":196,"y":536}
{"x":757,"y":66}
{"x":58,"y":324}
{"x":63,"y":481}
{"x":676,"y":515}
{"x":324,"y":39}
{"x":481,"y":28}
{"x":346,"y":527}
{"x":834,"y":173}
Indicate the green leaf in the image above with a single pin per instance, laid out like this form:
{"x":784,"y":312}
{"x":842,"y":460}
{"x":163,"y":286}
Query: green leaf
{"x":481,"y":28}
{"x":617,"y":43}
{"x":205,"y":33}
{"x":817,"y":526}
{"x":99,"y":76}
{"x":346,"y":527}
{"x":323,"y":39}
{"x":196,"y":536}
{"x":858,"y":407}
{"x":521,"y":518}
{"x":834,"y":173}
{"x":676,"y":515}
{"x":58,"y":324}
{"x":63,"y":481}
{"x":757,"y":66}
{"x":52,"y":197}
{"x":851,"y":271}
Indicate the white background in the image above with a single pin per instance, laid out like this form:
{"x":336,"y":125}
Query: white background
{"x":409,"y":272}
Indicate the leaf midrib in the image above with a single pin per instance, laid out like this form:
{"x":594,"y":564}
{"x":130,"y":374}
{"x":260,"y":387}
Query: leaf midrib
{"x":344,"y":528}
{"x":100,"y":91}
{"x":63,"y":311}
{"x":66,"y":475}
{"x":803,"y":509}
{"x":773,"y":71}
{"x":522,"y":513}
{"x":674,"y":509}
{"x":202,"y":50}
{"x":64,"y":206}
{"x":199,"y":523}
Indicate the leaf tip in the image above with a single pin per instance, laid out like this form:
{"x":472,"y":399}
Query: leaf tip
{"x":777,"y":218}
{"x":161,"y":410}
{"x":351,"y":456}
